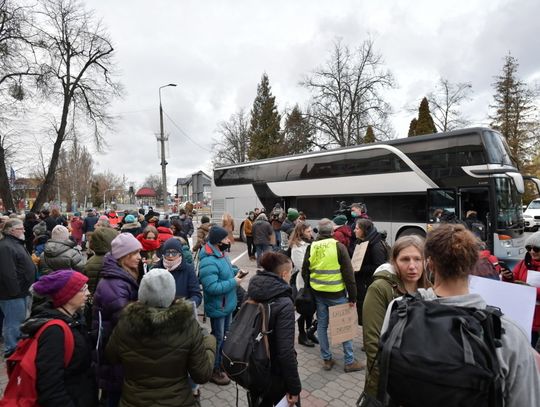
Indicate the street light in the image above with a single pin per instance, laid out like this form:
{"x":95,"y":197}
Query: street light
{"x":162,"y":141}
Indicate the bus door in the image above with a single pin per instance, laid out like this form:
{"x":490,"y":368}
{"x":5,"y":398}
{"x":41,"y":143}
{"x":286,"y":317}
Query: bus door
{"x":474,"y":210}
{"x":442,"y":206}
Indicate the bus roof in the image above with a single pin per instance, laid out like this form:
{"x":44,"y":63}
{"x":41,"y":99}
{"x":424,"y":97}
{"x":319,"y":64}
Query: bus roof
{"x":398,"y":141}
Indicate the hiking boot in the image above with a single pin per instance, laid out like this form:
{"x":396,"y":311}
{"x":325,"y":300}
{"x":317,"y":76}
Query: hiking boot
{"x":328,"y":364}
{"x":354,"y":367}
{"x":311,"y":335}
{"x":220,"y":378}
{"x":303,"y":340}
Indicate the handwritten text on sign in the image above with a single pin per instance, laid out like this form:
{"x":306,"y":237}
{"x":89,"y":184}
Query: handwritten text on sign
{"x":342,"y":324}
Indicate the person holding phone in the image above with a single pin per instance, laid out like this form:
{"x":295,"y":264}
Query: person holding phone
{"x":520,"y":273}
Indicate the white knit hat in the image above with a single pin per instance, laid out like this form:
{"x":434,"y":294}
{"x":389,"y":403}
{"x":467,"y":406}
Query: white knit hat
{"x":157,"y":288}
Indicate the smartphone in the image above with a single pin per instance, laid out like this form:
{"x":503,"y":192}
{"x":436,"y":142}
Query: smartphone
{"x":242,"y":273}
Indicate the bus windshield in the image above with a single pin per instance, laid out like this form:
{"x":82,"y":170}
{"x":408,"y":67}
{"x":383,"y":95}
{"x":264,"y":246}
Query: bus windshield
{"x":497,"y":149}
{"x":510,"y":214}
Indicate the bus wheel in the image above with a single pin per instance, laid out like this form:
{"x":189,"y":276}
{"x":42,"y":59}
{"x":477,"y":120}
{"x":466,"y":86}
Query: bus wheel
{"x":242,"y":233}
{"x":412,"y":231}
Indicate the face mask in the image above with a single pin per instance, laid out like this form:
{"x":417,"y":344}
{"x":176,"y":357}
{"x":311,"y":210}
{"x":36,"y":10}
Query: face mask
{"x":354,"y":214}
{"x":224,"y":246}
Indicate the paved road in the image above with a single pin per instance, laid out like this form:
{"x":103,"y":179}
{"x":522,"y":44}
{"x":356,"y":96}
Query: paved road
{"x":320,"y":388}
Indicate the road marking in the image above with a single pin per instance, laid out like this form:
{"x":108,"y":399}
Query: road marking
{"x":238,"y":257}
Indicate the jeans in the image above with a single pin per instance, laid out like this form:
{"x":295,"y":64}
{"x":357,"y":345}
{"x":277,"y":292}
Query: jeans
{"x":278,"y":238}
{"x":261,"y":249}
{"x":322,"y":328}
{"x":15,"y":312}
{"x":219,"y":327}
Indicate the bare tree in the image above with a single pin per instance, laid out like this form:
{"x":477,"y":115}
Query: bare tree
{"x":347,"y":95}
{"x":77,"y":75}
{"x":445,"y":102}
{"x":232,"y":146}
{"x":155,"y":182}
{"x":74,"y":174}
{"x":17,"y":65}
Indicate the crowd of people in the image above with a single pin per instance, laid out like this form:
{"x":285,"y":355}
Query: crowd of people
{"x":128,"y":287}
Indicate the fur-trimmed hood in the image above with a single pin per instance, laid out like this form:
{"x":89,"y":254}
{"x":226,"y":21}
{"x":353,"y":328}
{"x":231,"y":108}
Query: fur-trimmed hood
{"x":141,"y":320}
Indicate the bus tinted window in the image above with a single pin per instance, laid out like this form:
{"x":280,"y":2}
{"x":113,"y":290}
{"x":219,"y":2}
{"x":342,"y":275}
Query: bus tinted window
{"x":497,"y":149}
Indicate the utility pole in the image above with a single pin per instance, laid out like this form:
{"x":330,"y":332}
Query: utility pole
{"x":162,"y":139}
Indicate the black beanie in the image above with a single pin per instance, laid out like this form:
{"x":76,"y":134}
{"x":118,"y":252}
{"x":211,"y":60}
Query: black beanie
{"x":217,"y":234}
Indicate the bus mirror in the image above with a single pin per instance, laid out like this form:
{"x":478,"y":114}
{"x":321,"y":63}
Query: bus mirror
{"x":518,"y":181}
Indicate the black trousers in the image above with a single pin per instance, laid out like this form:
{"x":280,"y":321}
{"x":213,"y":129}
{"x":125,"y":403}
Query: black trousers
{"x":250,"y":246}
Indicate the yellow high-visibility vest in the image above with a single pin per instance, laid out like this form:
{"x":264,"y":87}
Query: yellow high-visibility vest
{"x":325,"y":270}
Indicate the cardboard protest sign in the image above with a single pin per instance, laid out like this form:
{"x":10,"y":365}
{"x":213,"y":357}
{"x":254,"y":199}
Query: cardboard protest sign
{"x":342,"y":323}
{"x":358,"y":256}
{"x":516,"y":301}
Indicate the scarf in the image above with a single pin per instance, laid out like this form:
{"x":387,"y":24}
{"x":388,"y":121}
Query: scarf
{"x":172,"y":264}
{"x":148,"y":245}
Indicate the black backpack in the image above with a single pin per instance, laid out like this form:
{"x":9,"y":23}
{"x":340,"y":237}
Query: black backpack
{"x":440,"y":355}
{"x":246,"y":348}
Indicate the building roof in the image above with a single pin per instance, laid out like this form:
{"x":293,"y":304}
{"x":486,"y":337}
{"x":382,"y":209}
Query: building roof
{"x":183,"y":181}
{"x":145,"y":191}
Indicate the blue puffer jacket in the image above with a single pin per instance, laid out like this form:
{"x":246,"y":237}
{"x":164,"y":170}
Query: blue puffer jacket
{"x":217,"y":278}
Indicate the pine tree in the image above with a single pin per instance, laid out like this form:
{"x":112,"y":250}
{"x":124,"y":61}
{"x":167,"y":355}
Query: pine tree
{"x":265,"y":137}
{"x":370,"y":136}
{"x":514,"y":111}
{"x":412,"y":128}
{"x":425,"y":123}
{"x":298,"y":132}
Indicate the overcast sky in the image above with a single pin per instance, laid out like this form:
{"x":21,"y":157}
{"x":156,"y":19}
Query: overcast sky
{"x":216,"y":51}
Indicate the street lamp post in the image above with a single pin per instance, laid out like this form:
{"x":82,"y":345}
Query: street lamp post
{"x":162,"y":141}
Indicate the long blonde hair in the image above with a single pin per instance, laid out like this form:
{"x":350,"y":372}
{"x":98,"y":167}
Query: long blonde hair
{"x":298,"y":233}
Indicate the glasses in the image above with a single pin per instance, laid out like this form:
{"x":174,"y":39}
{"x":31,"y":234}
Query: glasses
{"x":84,"y":288}
{"x":171,"y":253}
{"x":533,"y":248}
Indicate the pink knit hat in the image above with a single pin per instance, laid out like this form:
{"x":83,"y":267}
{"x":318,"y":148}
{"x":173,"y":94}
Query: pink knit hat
{"x":123,"y":244}
{"x":61,"y":286}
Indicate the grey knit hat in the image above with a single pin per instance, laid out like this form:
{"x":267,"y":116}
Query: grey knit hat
{"x":157,"y":288}
{"x":533,"y":240}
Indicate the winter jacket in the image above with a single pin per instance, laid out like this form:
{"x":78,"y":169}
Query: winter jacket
{"x":76,"y":229}
{"x":266,"y":286}
{"x":343,"y":235}
{"x":59,"y":255}
{"x":133,"y":228}
{"x":29,"y":233}
{"x":158,"y":348}
{"x":248,"y":227}
{"x":17,"y":271}
{"x":202,"y":233}
{"x":287,"y":226}
{"x":70,"y":386}
{"x":89,"y":223}
{"x":186,"y":226}
{"x":216,"y":274}
{"x":298,"y":253}
{"x":51,"y":223}
{"x":521,"y":381}
{"x":262,"y":232}
{"x":39,"y":244}
{"x":228,"y":225}
{"x":385,"y":287}
{"x":100,"y":244}
{"x":520,"y":274}
{"x":187,"y":284}
{"x":115,"y":290}
{"x":346,"y":272}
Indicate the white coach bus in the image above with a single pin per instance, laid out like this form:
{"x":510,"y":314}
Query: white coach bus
{"x":402,"y":182}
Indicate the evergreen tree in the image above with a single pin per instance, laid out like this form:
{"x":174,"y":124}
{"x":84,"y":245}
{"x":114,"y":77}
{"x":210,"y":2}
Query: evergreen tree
{"x":514,"y":114}
{"x":265,"y":137}
{"x":425,"y":123}
{"x":298,"y":132}
{"x":370,"y":136}
{"x":412,"y":128}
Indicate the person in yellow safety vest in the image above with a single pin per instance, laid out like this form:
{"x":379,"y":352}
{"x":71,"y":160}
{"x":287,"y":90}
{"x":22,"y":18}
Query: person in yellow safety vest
{"x":328,"y":269}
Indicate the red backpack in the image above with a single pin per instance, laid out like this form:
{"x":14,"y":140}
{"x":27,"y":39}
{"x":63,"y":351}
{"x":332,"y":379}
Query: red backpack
{"x":21,"y":388}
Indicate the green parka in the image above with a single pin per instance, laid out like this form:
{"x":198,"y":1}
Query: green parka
{"x":158,"y":347}
{"x":385,"y":287}
{"x":100,"y":243}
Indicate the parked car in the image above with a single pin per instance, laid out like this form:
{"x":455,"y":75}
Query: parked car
{"x":531,"y":216}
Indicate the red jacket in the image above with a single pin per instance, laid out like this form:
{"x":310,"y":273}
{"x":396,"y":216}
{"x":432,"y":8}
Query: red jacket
{"x":76,"y":228}
{"x":164,"y":234}
{"x":520,"y":273}
{"x":343,"y":234}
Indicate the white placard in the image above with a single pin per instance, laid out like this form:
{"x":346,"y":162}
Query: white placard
{"x":358,"y":256}
{"x":283,"y":402}
{"x":516,"y":301}
{"x":533,"y":278}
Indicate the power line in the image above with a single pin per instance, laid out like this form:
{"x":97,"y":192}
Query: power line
{"x":185,"y":134}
